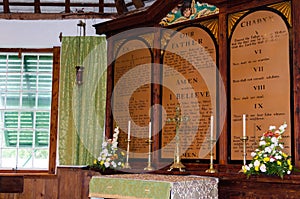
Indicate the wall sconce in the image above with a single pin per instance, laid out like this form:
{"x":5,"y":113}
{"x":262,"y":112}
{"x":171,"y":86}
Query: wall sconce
{"x":79,"y":74}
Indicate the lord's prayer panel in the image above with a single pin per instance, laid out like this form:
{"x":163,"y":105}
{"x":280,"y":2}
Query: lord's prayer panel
{"x":189,"y":81}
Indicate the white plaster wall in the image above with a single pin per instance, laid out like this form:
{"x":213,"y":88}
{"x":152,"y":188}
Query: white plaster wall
{"x":41,"y":33}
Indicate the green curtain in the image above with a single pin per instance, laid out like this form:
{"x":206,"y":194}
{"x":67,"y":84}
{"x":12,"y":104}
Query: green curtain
{"x":82,"y":107}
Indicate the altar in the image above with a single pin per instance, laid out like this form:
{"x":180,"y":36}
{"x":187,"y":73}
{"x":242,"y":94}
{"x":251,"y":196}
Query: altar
{"x":153,"y":186}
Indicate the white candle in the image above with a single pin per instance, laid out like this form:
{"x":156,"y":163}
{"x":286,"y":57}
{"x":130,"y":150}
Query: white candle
{"x":149,"y":130}
{"x":128,"y":130}
{"x":244,"y":125}
{"x":211,"y":127}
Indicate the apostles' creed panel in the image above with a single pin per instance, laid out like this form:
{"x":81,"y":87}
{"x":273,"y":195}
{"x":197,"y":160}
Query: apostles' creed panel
{"x":189,"y":83}
{"x":259,"y":79}
{"x":131,"y":95}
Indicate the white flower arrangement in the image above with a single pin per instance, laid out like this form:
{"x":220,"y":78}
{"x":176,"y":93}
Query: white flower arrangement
{"x":269,"y":158}
{"x":110,"y":156}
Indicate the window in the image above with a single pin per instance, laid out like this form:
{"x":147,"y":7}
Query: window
{"x":26,"y":108}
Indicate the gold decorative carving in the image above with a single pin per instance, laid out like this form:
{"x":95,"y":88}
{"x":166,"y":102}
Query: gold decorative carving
{"x":212,"y":25}
{"x":232,"y":18}
{"x":285,"y":9}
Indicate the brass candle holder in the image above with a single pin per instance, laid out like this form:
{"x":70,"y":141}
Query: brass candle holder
{"x":149,"y":167}
{"x":177,"y":119}
{"x":211,"y":165}
{"x":177,"y":162}
{"x":127,"y":165}
{"x":244,"y":139}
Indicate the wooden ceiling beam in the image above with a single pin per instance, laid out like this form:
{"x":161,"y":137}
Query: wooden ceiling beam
{"x":149,"y":17}
{"x":67,"y":6}
{"x":27,"y":50}
{"x":31,"y":4}
{"x":50,"y":16}
{"x":37,"y":6}
{"x":101,"y":6}
{"x":6,"y":6}
{"x":138,"y":3}
{"x":121,"y":7}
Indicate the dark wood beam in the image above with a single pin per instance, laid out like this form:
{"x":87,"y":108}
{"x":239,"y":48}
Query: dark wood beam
{"x":138,"y":3}
{"x":27,"y":50}
{"x":67,"y":6}
{"x":54,"y":110}
{"x":121,"y":7}
{"x":147,"y":17}
{"x":222,"y":107}
{"x":6,"y":6}
{"x":48,"y":16}
{"x":37,"y":6}
{"x":101,"y":6}
{"x":62,"y":4}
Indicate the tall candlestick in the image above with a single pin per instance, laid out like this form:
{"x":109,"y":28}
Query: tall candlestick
{"x":211,"y":144}
{"x":150,"y":134}
{"x":244,"y":140}
{"x":244,"y":125}
{"x":128,"y":130}
{"x":211,"y":127}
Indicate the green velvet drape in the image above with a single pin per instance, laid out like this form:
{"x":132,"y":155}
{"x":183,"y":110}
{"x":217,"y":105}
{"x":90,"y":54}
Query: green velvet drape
{"x":82,"y":107}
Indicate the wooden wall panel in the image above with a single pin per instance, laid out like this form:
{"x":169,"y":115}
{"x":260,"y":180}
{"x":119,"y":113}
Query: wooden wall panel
{"x":223,"y":144}
{"x":69,"y":183}
{"x":51,"y":188}
{"x":73,"y":183}
{"x":255,"y":188}
{"x":296,"y":80}
{"x":38,"y":191}
{"x":28,"y":185}
{"x":11,"y":184}
{"x":9,"y":196}
{"x":66,"y":176}
{"x":38,"y":187}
